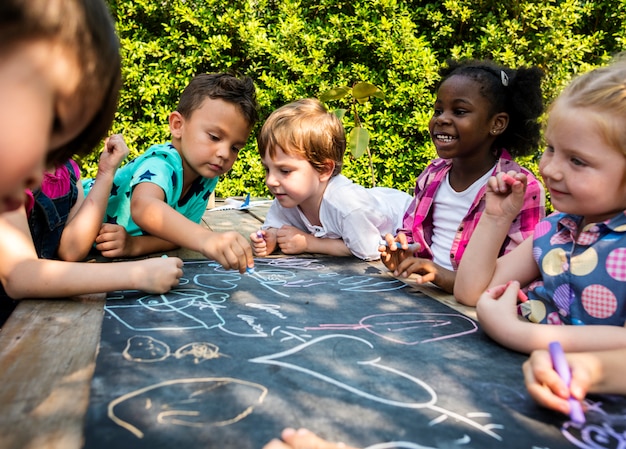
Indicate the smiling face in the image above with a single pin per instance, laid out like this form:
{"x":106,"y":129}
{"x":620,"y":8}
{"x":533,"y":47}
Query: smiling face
{"x":40,"y":110}
{"x":463,"y":124}
{"x":210,"y":139}
{"x":584,"y":174}
{"x":294,"y":182}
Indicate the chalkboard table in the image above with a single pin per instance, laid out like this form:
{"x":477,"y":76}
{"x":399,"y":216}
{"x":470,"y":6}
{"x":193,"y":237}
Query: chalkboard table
{"x":332,"y":344}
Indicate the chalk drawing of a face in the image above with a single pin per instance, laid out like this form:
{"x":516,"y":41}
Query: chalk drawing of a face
{"x":201,"y":402}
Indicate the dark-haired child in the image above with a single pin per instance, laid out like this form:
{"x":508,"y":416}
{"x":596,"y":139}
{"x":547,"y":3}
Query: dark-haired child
{"x":484,"y":115}
{"x":158,"y":199}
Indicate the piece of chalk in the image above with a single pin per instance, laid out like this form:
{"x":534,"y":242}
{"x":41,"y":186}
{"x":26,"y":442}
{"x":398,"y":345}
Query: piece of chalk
{"x":412,"y":247}
{"x":521,"y":296}
{"x":249,"y":270}
{"x":164,"y":256}
{"x":510,"y":180}
{"x":559,"y":362}
{"x":259,"y":234}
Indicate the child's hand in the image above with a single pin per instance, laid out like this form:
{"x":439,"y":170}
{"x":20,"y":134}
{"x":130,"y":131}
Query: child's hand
{"x":115,"y":151}
{"x":497,"y":313}
{"x":390,"y":255}
{"x":546,"y":386}
{"x":505,"y":194}
{"x":292,"y":240}
{"x":259,"y":245}
{"x":230,"y":249}
{"x":113,"y":241}
{"x":158,"y":274}
{"x":302,"y":439}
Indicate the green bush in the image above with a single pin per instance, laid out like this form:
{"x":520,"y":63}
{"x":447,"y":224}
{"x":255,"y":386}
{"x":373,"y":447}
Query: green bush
{"x":295,"y":49}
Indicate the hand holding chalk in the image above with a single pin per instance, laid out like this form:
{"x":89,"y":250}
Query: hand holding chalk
{"x":562,"y":368}
{"x":412,"y":247}
{"x":510,"y":180}
{"x":521,"y":296}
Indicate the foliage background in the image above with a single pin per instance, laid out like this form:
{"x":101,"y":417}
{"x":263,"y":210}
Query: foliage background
{"x":301,"y":48}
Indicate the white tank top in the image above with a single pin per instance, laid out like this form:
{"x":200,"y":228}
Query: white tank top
{"x":449,"y":209}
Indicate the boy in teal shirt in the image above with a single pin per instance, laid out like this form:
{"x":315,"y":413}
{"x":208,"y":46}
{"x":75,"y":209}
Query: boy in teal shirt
{"x":158,"y":199}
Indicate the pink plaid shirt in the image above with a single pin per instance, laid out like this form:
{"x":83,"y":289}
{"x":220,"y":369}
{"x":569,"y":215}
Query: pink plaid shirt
{"x":418,"y":222}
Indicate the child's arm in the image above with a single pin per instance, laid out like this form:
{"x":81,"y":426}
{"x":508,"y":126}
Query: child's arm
{"x":87,"y":214}
{"x":292,"y":240}
{"x":497,"y":313}
{"x":302,"y":439}
{"x":427,"y":271}
{"x":264,"y":242}
{"x":150,"y":212}
{"x":113,"y":241}
{"x":592,"y":372}
{"x":480,"y":266}
{"x":24,"y":275}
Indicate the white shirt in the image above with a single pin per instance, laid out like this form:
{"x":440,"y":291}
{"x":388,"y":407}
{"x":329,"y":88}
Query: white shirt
{"x":350,"y":212}
{"x":449,"y":208}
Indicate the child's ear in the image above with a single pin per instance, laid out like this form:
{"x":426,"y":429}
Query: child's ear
{"x":327,"y":172}
{"x":499,"y":123}
{"x":176,"y":121}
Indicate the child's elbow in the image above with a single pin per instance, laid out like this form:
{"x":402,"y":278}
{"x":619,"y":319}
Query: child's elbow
{"x":71,"y":255}
{"x":462,"y":297}
{"x":14,"y":289}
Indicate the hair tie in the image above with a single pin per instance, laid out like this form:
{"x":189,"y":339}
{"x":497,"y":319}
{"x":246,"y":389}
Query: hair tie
{"x":504,"y":78}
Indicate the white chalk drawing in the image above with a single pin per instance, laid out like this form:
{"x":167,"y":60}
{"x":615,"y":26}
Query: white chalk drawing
{"x":146,"y":349}
{"x":203,"y":302}
{"x":409,"y":328}
{"x":423,"y":395}
{"x":186,"y":402}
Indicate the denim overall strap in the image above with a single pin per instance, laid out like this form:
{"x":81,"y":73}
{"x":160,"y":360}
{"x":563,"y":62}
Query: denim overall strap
{"x":49,"y":216}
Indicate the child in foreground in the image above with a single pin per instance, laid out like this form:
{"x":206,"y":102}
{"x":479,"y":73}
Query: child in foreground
{"x":158,"y":199}
{"x":484,"y":115}
{"x":54,"y":53}
{"x":316,"y":209}
{"x":575,"y":262}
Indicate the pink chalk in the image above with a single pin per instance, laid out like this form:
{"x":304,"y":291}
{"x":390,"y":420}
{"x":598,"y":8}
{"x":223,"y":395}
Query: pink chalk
{"x":521,"y":296}
{"x":510,"y":180}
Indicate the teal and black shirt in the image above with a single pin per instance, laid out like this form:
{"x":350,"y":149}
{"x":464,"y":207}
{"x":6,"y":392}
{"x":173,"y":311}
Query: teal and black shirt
{"x":161,"y":165}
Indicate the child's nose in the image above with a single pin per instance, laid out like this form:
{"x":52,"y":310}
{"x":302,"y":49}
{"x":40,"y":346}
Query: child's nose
{"x":443,"y":117}
{"x":270,"y":179}
{"x":549,"y":169}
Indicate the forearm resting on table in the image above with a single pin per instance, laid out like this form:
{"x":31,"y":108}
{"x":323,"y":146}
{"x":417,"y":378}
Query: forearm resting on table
{"x":149,"y":244}
{"x":332,"y":247}
{"x":42,"y":278}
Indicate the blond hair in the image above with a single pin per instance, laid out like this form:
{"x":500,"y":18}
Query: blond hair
{"x":305,"y":128}
{"x":602,"y":91}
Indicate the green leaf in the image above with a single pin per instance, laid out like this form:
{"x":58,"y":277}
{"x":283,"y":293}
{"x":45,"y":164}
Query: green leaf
{"x":358,"y":140}
{"x":340,"y":113}
{"x":334,"y":94}
{"x":364,"y":90}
